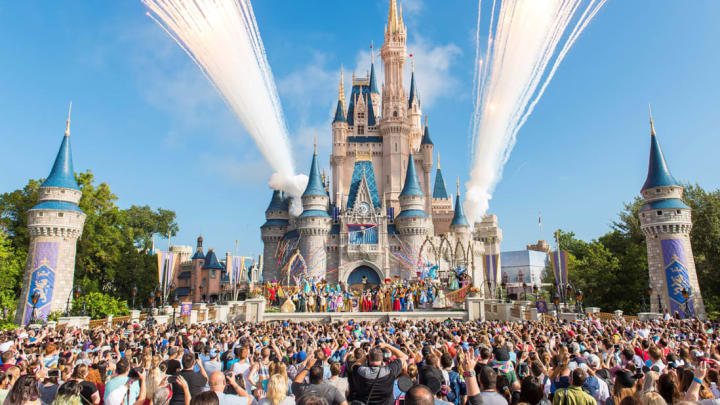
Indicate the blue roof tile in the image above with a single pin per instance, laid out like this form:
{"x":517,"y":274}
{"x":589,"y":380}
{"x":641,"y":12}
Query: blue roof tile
{"x":62,"y":174}
{"x":365,"y":139}
{"x":276,"y":222}
{"x":57,"y":205}
{"x":412,"y":213}
{"x":185,"y":274}
{"x":315,"y":185}
{"x":658,"y":172}
{"x":339,"y":113}
{"x":671,"y":203}
{"x":459,"y":215}
{"x":373,"y":85}
{"x":335,"y":230}
{"x":426,"y":137}
{"x":413,"y":92}
{"x":439,"y":190}
{"x":198,"y":255}
{"x":314,"y":213}
{"x":356,"y":91}
{"x":371,"y":113}
{"x":278,"y":202}
{"x":411,"y":187}
{"x":361,"y":167}
{"x":211,"y":261}
{"x":391,"y":230}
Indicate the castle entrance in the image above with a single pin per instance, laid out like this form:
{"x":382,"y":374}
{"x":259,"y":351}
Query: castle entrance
{"x":363,"y":277}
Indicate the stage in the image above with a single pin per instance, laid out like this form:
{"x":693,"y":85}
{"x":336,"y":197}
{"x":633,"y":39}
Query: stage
{"x":365,"y":316}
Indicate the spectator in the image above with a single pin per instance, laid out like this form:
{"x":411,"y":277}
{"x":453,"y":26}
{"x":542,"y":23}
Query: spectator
{"x":213,"y":363}
{"x":122,"y":369}
{"x":24,"y":392}
{"x":574,"y":395}
{"x":195,"y":381}
{"x":488,"y":384}
{"x":69,"y":394}
{"x":218,"y":381}
{"x":49,"y":386}
{"x":277,"y":392}
{"x":205,"y":398}
{"x":316,"y":387}
{"x":7,"y":380}
{"x":374,"y":381}
{"x":88,"y":390}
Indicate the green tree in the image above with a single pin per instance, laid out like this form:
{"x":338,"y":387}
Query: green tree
{"x":11,"y":271}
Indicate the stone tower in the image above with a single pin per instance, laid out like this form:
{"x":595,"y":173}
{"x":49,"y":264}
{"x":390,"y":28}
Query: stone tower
{"x":276,"y":224}
{"x":54,"y":226}
{"x":412,"y":223}
{"x":666,"y":222}
{"x":313,"y":224}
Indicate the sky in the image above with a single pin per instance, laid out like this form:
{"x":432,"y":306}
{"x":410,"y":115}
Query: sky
{"x":148,"y":123}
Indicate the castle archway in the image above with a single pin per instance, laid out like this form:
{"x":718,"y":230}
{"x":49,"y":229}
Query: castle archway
{"x":363,"y":273}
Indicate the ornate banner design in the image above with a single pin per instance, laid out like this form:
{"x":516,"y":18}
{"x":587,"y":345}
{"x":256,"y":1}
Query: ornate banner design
{"x":42,"y":280}
{"x":166,"y":267}
{"x":491,"y":262}
{"x":185,"y":308}
{"x":363,"y":234}
{"x":541,"y":306}
{"x":676,"y":276}
{"x":559,"y":265}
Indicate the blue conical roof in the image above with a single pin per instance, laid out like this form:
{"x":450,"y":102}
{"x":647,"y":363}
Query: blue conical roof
{"x":62,"y":174}
{"x":371,"y":113}
{"x":315,"y":185}
{"x":439,"y":190}
{"x":339,"y":113}
{"x":278,"y":203}
{"x":426,"y":137}
{"x":211,"y":261}
{"x":658,"y":172}
{"x":459,"y":215}
{"x":413,"y":92}
{"x":411,"y":187}
{"x":373,"y":85}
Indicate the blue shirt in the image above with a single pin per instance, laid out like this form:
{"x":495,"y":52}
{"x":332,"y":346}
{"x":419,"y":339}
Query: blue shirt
{"x":119,"y":381}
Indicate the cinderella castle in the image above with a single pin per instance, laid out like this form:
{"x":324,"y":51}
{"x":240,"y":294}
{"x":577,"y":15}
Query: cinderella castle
{"x":378,"y":216}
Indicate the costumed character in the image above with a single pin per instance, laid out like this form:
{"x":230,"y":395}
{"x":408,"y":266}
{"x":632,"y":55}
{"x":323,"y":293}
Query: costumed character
{"x":454,"y":281}
{"x":396,"y":301}
{"x":439,"y":302}
{"x":288,"y":306}
{"x":302,"y":302}
{"x":410,"y":301}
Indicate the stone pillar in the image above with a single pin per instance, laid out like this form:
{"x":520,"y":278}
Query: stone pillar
{"x":504,"y":309}
{"x":475,"y":306}
{"x":592,"y":310}
{"x":255,"y":309}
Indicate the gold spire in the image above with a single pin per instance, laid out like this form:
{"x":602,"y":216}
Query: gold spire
{"x":315,"y":144}
{"x":395,"y":21}
{"x":652,"y":124}
{"x":372,"y":52}
{"x":67,"y":123}
{"x":341,"y":90}
{"x":426,"y":120}
{"x":412,"y":64}
{"x":438,"y":160}
{"x":458,"y":186}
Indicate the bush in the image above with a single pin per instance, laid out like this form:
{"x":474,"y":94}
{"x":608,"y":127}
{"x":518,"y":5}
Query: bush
{"x":99,"y":306}
{"x":7,"y":325}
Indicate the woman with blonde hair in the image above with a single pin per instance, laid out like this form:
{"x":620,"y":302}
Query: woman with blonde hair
{"x":652,"y":398}
{"x":276,"y":394}
{"x":650,"y":383}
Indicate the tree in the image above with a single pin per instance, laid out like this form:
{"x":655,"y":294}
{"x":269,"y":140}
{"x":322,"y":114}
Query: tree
{"x":11,"y":272}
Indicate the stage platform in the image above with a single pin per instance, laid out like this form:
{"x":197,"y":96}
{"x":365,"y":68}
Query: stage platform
{"x":364,"y":316}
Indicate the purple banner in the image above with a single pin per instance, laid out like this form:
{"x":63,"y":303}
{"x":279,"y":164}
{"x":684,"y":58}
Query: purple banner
{"x":185,"y":308}
{"x":491,"y":262}
{"x":676,"y":276}
{"x":559,"y":264}
{"x":42,"y":280}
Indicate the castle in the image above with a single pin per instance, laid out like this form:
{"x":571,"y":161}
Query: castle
{"x":378,"y":216}
{"x":666,"y":222}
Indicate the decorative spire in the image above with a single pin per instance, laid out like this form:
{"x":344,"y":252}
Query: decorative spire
{"x":392,"y":24}
{"x":459,"y":216}
{"x":62,"y":174}
{"x":439,"y":191}
{"x":67,"y":123}
{"x":411,"y":187}
{"x":426,"y":134}
{"x":458,"y":186}
{"x":438,"y":157}
{"x":413,"y":93}
{"x":314,"y":185}
{"x":658,"y":171}
{"x":315,"y":144}
{"x":652,"y":124}
{"x":372,"y":52}
{"x":341,"y":90}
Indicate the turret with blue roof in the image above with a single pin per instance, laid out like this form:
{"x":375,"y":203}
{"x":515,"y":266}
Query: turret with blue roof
{"x":412,"y":198}
{"x":439,"y":191}
{"x":459,"y":223}
{"x":211,"y":261}
{"x":315,"y":198}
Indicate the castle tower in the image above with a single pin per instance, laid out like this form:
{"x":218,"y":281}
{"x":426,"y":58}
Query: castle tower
{"x":339,"y":151}
{"x":415,"y":113}
{"x":314,"y":223}
{"x":276,"y":224}
{"x":460,"y":227}
{"x":54,"y":226}
{"x":412,"y":223}
{"x":372,"y":83}
{"x":442,"y":208}
{"x":426,"y":148}
{"x":666,"y":222}
{"x":395,"y":125}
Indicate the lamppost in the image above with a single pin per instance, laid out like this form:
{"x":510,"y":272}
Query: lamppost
{"x":34,"y":299}
{"x":524,"y":287}
{"x":578,"y":301}
{"x":686,"y":296}
{"x":67,"y":305}
{"x":175,"y":303}
{"x":159,"y":297}
{"x":660,"y":307}
{"x":649,"y":291}
{"x":503,"y":284}
{"x":78,"y":292}
{"x":535,"y":291}
{"x":134,"y":293}
{"x":556,"y":301}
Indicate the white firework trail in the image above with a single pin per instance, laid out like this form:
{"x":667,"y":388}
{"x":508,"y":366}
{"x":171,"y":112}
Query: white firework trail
{"x":527,"y":41}
{"x":222,"y":39}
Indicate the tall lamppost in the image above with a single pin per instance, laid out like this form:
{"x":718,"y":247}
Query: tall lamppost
{"x":134,"y":293}
{"x":535,"y":291}
{"x":650,"y":292}
{"x":159,"y":297}
{"x":67,"y":304}
{"x":34,"y":298}
{"x":556,"y":301}
{"x":578,"y":300}
{"x":503,"y":284}
{"x":175,"y":303}
{"x":524,"y":287}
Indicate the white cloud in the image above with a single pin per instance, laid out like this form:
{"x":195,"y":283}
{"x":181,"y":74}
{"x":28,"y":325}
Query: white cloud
{"x":433,"y":75}
{"x":246,"y":170}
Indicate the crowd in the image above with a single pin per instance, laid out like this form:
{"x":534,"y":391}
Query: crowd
{"x":587,"y":362}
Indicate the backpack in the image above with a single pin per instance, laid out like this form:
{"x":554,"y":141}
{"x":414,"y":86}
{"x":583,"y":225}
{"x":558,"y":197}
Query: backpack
{"x":592,"y":386}
{"x":457,"y":387}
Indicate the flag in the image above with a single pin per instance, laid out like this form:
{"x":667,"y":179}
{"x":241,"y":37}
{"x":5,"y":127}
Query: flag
{"x":491,"y":269}
{"x":559,"y":265}
{"x":166,"y":267}
{"x":540,"y":220}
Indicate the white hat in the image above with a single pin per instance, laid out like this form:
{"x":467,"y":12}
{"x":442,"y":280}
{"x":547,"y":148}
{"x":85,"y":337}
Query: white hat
{"x":5,"y":346}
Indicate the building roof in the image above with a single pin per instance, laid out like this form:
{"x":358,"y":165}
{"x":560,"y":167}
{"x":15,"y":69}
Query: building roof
{"x":335,"y":229}
{"x":671,"y":203}
{"x":658,"y":172}
{"x":426,"y":137}
{"x":57,"y":205}
{"x":363,"y":167}
{"x":278,"y":202}
{"x":411,"y":187}
{"x":314,"y":213}
{"x":185,"y":274}
{"x":412,"y":213}
{"x":371,"y":113}
{"x":339,"y":113}
{"x":62,"y":174}
{"x":391,"y":230}
{"x":211,"y":261}
{"x":356,"y":90}
{"x":459,"y":215}
{"x":198,"y":254}
{"x":439,"y":190}
{"x":373,"y":85}
{"x":413,"y":92}
{"x":315,"y":184}
{"x":276,"y":222}
{"x":365,"y":139}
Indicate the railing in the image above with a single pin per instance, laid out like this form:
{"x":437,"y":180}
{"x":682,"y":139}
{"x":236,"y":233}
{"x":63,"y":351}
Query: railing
{"x":120,"y":319}
{"x":97,"y":323}
{"x":604,"y":316}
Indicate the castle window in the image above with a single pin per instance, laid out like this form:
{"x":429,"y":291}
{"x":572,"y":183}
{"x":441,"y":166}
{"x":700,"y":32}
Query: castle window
{"x":361,"y":130}
{"x":395,"y":146}
{"x":60,"y":214}
{"x":212,"y":273}
{"x":361,"y":115}
{"x":678,"y":212}
{"x":659,"y":212}
{"x":395,"y":113}
{"x":657,"y":190}
{"x":39,"y":214}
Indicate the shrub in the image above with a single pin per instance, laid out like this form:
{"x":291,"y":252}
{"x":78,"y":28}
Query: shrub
{"x":99,"y":306}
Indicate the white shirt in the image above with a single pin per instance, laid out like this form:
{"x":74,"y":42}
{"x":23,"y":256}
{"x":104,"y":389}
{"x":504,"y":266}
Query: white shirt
{"x":244,"y":369}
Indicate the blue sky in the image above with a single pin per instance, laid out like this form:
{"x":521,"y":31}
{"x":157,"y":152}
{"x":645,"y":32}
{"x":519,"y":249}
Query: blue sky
{"x":147,"y":122}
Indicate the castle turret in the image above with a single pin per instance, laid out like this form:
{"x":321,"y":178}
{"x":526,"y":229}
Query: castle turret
{"x":412,"y":223}
{"x":427,"y":148}
{"x":276,"y":225}
{"x":666,"y":222}
{"x":374,"y":92}
{"x":54,"y":226}
{"x":340,"y":132}
{"x":314,"y":223}
{"x":415,"y":113}
{"x":459,"y":224}
{"x":442,"y":205}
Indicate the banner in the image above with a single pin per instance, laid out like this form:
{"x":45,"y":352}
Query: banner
{"x":676,"y":276}
{"x":491,"y":270}
{"x":237,"y":269}
{"x":559,"y":265}
{"x":541,"y":306}
{"x":363,"y":234}
{"x":42,"y":280}
{"x":166,"y":268}
{"x":185,"y":308}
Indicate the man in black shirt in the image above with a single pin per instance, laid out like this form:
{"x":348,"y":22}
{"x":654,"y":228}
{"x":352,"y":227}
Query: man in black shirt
{"x":373,"y":380}
{"x":196,"y":381}
{"x":172,"y":363}
{"x":316,"y":388}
